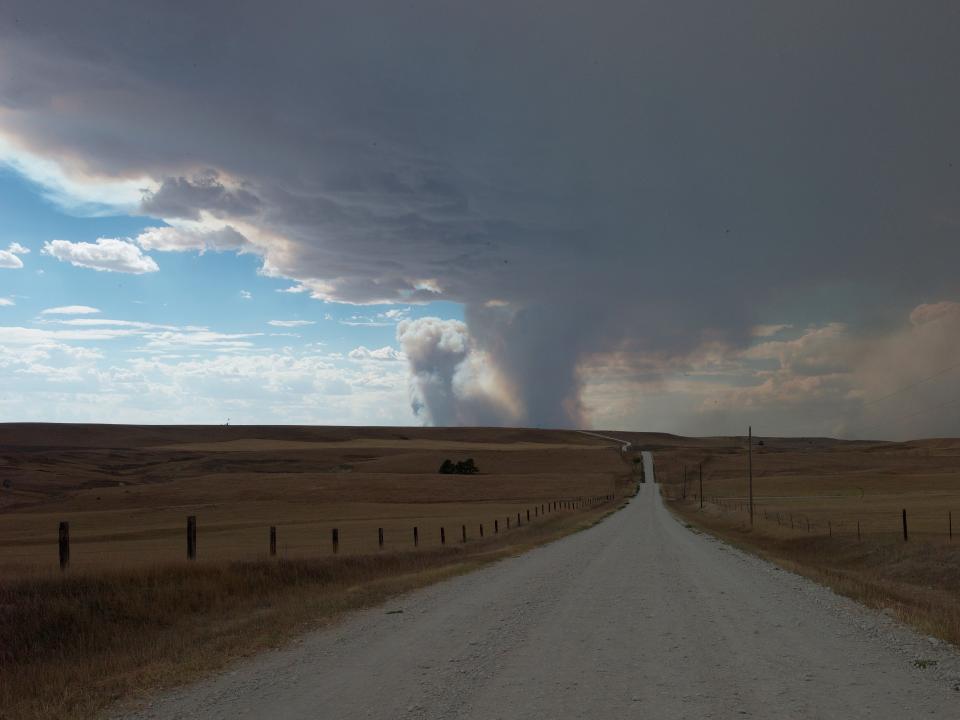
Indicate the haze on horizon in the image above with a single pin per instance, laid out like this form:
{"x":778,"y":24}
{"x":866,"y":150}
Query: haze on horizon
{"x":678,"y":216}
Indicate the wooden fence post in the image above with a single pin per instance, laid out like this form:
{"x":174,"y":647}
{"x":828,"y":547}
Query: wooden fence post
{"x":273,"y":540}
{"x":528,"y":514}
{"x":416,"y":536}
{"x":335,"y":538}
{"x":481,"y":529}
{"x":518,"y":520}
{"x":904,"y":515}
{"x":192,"y":537}
{"x":463,"y":533}
{"x":496,"y":527}
{"x":858,"y":531}
{"x":443,"y":536}
{"x":380,"y":537}
{"x":508,"y":522}
{"x":829,"y":529}
{"x":64,"y":541}
{"x":950,"y":523}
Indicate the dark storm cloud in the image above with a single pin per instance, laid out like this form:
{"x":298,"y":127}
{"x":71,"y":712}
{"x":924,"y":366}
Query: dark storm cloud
{"x":621,"y":175}
{"x":181,"y":197}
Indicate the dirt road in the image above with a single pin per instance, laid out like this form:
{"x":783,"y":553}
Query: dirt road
{"x":636,"y":617}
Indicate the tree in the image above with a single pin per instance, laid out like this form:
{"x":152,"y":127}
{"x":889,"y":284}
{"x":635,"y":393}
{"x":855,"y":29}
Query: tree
{"x":448,"y":468}
{"x":463,"y":467}
{"x":467,"y":467}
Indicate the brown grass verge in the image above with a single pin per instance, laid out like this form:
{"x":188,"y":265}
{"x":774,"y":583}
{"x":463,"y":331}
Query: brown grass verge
{"x":72,"y":646}
{"x":917,"y":582}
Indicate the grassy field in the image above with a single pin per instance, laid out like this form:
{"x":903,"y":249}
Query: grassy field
{"x":810,"y":495}
{"x":126,"y":492}
{"x":132,"y":614}
{"x":832,"y":484}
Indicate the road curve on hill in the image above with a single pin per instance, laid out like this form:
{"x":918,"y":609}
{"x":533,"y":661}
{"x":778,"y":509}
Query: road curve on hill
{"x":637,"y":617}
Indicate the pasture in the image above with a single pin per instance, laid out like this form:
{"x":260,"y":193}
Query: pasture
{"x":126,"y":491}
{"x":832,"y":510}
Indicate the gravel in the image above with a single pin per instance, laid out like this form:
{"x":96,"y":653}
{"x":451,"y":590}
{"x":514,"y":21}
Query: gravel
{"x":636,"y":617}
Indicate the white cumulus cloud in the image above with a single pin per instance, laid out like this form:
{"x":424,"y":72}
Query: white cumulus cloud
{"x":386,"y":353}
{"x":106,"y":255}
{"x":177,"y":239}
{"x":290,"y":323}
{"x":70,"y":310}
{"x":9,"y":259}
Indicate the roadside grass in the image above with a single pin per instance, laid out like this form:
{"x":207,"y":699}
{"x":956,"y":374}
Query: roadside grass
{"x":917,"y":582}
{"x":72,"y":646}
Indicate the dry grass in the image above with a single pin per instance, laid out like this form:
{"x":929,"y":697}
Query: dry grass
{"x":833,"y":486}
{"x":132,"y":615}
{"x":830,"y":482}
{"x":72,"y":645}
{"x":126,"y":494}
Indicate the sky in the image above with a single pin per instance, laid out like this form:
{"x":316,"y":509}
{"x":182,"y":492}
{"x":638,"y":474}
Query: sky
{"x":680,"y":216}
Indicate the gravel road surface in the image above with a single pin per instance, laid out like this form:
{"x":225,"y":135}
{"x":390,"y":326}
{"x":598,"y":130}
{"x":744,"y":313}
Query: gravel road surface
{"x":637,"y":617}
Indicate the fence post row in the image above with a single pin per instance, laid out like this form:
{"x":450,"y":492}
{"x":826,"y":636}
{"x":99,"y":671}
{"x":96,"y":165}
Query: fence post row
{"x":192,"y":537}
{"x":63,"y":535}
{"x":541,"y":509}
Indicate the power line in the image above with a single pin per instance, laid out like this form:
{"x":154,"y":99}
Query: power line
{"x":954,"y":401}
{"x":913,"y":385}
{"x":896,"y":392}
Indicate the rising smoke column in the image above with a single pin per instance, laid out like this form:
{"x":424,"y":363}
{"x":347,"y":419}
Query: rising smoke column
{"x":451,"y":382}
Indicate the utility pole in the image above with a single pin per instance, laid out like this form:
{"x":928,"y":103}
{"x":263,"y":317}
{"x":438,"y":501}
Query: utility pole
{"x":701,"y":485}
{"x":750,"y":468}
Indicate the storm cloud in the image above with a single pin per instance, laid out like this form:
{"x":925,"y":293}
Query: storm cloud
{"x":591,"y":180}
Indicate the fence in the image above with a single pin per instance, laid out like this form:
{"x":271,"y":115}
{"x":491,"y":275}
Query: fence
{"x":415,"y":535}
{"x":878,"y":522}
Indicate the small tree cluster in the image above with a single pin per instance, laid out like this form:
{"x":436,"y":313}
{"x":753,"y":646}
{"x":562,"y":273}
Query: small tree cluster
{"x":463,"y":467}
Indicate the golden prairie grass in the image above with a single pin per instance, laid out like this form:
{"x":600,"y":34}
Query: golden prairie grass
{"x":916,"y":581}
{"x":828,"y":483}
{"x":831,"y":487}
{"x":131,"y":615}
{"x":72,"y":645}
{"x":126,"y":495}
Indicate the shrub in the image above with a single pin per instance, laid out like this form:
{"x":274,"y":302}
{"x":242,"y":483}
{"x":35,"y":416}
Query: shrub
{"x":463,"y":467}
{"x":467,"y":467}
{"x":448,"y":467}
